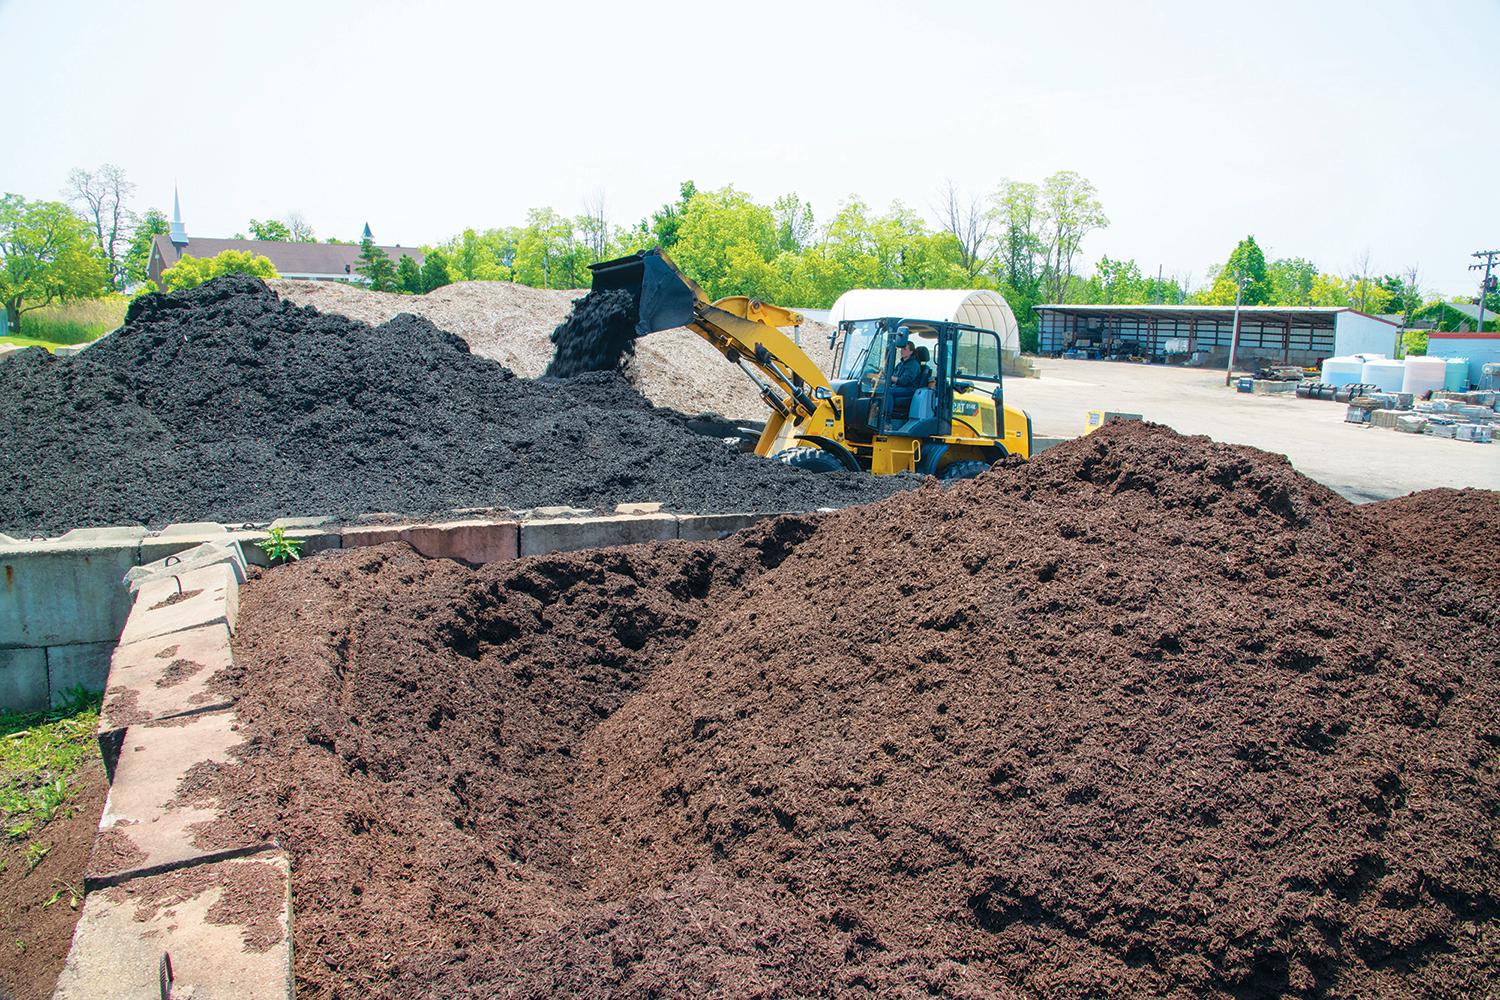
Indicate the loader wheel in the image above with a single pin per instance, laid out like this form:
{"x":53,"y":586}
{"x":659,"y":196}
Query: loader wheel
{"x":809,"y":460}
{"x":963,"y":470}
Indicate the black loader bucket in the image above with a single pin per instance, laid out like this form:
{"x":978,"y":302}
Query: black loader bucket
{"x":662,"y":297}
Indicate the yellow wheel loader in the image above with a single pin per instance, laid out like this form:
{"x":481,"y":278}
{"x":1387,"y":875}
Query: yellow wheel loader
{"x":952,"y":424}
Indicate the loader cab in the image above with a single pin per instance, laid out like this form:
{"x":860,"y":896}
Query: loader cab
{"x":963,"y":384}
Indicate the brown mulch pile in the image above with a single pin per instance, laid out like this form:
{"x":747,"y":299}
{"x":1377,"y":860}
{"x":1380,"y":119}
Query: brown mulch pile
{"x":1446,"y":526}
{"x":35,"y":936}
{"x":1146,"y":716}
{"x":513,"y":324}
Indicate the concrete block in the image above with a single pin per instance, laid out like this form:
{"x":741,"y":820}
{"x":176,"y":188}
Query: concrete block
{"x":473,"y":541}
{"x":547,"y":512}
{"x":207,"y":554}
{"x":360,"y":537}
{"x":126,"y":534}
{"x":165,"y":677}
{"x":177,"y":538}
{"x":1411,"y":423}
{"x":702,"y":527}
{"x":144,"y":827}
{"x":568,"y":534}
{"x":225,"y":928}
{"x":196,"y":598}
{"x":23,"y":680}
{"x":1272,"y":387}
{"x":638,"y":508}
{"x":1384,"y":418}
{"x":301,"y":522}
{"x":56,"y":593}
{"x":85,"y":664}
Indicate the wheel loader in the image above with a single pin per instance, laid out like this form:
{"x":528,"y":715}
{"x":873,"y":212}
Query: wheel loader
{"x":953,"y":426}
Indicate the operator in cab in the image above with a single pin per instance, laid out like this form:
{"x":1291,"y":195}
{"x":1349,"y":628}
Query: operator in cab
{"x":906,"y":378}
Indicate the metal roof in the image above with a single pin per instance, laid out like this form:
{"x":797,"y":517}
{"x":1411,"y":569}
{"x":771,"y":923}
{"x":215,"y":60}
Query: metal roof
{"x":979,"y":307}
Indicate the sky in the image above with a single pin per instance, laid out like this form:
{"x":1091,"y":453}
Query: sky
{"x":1328,"y":130}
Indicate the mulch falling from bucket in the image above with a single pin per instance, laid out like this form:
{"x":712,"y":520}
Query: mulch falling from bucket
{"x":1145,"y":716}
{"x":597,"y":336}
{"x":224,"y":403}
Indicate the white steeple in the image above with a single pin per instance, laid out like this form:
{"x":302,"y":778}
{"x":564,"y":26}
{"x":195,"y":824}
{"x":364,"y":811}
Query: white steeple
{"x":179,"y":232}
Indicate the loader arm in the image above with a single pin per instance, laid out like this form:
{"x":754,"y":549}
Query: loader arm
{"x":743,"y":329}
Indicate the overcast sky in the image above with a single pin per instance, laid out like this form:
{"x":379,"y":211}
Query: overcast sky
{"x":1326,"y":129}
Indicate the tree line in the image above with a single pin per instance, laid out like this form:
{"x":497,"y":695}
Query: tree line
{"x":1024,"y":239}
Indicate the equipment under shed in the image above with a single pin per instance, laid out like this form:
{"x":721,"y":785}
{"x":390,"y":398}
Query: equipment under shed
{"x":1191,"y":334}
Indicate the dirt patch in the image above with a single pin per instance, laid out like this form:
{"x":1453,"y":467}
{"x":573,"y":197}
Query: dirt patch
{"x":513,"y":325}
{"x":225,"y":404}
{"x":114,"y":851}
{"x":252,"y":898}
{"x":177,"y":598}
{"x":34,"y":936}
{"x":178,"y":671}
{"x":1145,"y":716}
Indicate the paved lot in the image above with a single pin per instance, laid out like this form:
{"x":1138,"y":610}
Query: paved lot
{"x":1362,"y":463}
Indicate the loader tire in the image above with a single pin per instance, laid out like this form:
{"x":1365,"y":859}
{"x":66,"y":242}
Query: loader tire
{"x":968,"y":469}
{"x":809,"y":460}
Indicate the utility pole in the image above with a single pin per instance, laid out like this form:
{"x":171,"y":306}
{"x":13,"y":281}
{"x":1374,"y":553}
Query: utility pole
{"x":1484,"y":286}
{"x":1234,"y":339}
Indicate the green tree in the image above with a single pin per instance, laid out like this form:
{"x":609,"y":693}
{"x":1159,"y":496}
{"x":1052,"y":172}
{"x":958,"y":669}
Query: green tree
{"x":794,"y":223}
{"x":376,"y":266}
{"x":1291,"y":281}
{"x":435,"y":270}
{"x":408,"y":276}
{"x":1245,"y":262}
{"x":666,"y":221}
{"x":472,"y":257}
{"x":46,"y":255}
{"x":190,"y":271}
{"x":138,"y":255}
{"x":271,"y":229}
{"x":726,"y":242}
{"x":1070,"y":211}
{"x":1329,"y":290}
{"x":548,"y":253}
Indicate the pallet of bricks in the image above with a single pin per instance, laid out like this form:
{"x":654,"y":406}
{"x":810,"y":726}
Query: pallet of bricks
{"x":1463,"y":416}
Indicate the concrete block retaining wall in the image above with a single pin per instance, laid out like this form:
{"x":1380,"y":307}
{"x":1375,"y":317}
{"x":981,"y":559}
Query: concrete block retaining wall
{"x":62,"y":606}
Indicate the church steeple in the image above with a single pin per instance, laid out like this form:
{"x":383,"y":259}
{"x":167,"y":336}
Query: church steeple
{"x":367,"y":235}
{"x":179,"y":231}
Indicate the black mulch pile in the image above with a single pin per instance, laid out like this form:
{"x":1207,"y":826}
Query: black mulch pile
{"x":224,"y":403}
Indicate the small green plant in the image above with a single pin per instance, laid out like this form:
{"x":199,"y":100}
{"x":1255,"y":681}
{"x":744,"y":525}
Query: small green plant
{"x":35,"y":852}
{"x":279,"y":548}
{"x":61,"y":889}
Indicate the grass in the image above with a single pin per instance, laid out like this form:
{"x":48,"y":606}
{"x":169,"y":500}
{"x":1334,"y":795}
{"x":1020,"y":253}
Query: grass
{"x":39,"y":753}
{"x":64,"y":323}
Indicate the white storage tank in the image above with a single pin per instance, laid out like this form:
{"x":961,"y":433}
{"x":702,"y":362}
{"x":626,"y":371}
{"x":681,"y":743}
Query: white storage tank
{"x":1384,"y":373}
{"x":1343,"y":371}
{"x":1424,"y":374}
{"x":1458,"y":374}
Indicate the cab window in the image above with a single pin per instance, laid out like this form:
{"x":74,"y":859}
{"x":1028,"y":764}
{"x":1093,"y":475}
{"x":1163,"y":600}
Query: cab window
{"x":976,"y":356}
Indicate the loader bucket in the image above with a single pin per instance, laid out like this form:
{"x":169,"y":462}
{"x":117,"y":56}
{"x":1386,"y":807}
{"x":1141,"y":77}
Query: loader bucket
{"x":662,"y":297}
